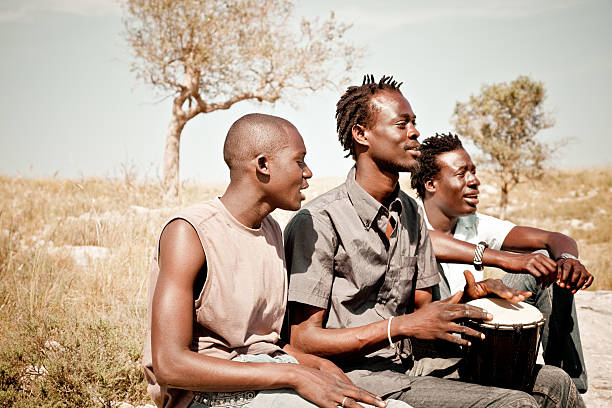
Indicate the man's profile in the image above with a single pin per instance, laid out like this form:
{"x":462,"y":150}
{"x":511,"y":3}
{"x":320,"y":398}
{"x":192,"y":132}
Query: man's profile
{"x":446,"y":182}
{"x":218,"y":289}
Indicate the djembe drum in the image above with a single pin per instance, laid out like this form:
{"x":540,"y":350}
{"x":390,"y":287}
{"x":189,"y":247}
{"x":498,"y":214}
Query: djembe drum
{"x":506,"y":357}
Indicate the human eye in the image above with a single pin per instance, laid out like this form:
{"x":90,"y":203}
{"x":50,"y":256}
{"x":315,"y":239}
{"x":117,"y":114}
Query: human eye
{"x":402,"y":124}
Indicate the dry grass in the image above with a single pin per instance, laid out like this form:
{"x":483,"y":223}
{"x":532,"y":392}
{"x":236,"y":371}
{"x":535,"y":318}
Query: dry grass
{"x":74,"y":260}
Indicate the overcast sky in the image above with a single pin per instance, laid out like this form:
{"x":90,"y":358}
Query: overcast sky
{"x":71,"y":107}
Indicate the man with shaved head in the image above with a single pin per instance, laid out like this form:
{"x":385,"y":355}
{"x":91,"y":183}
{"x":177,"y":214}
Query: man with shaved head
{"x":218,"y":289}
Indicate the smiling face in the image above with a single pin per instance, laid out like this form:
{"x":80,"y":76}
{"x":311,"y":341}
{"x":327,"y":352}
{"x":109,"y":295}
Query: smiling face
{"x":392,"y":136}
{"x":454,"y":190}
{"x":289,"y":172}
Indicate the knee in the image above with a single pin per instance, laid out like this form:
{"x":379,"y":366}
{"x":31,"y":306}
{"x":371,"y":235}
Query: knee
{"x":517,"y":399}
{"x":555,"y":385}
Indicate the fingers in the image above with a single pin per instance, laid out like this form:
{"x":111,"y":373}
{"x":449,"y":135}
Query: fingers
{"x":588,"y":282}
{"x":356,"y":395}
{"x":572,"y":275}
{"x":463,"y":311}
{"x":497,"y":287}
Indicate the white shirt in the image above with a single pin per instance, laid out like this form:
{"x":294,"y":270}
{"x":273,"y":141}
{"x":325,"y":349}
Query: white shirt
{"x":472,"y":228}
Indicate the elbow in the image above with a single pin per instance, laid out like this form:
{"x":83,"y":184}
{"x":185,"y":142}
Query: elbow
{"x":166,"y":369}
{"x":300,"y":340}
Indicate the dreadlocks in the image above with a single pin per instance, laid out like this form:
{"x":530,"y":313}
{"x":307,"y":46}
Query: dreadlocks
{"x":354,"y":107}
{"x":427,"y":167}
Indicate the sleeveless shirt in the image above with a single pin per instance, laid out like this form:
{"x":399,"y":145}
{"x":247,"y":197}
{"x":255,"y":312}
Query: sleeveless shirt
{"x":241,"y":306}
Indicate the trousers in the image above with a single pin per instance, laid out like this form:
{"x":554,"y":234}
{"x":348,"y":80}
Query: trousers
{"x":280,"y":398}
{"x":552,"y":389}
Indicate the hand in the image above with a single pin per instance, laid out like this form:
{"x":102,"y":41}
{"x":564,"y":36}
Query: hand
{"x":539,"y":266}
{"x":435,"y":321}
{"x":477,"y":290}
{"x":325,"y":390}
{"x":322,"y":364}
{"x":572,"y":275}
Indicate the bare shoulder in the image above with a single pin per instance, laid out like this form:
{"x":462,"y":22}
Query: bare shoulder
{"x":180,"y":247}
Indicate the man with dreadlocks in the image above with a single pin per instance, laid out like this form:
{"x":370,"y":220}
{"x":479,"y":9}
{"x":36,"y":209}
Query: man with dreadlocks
{"x":446,"y":182}
{"x":362,"y":269}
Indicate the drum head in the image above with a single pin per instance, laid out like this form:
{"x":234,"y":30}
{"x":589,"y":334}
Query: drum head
{"x":506,"y":313}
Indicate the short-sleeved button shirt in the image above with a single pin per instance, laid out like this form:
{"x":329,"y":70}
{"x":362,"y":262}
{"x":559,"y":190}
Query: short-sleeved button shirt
{"x":340,"y":259}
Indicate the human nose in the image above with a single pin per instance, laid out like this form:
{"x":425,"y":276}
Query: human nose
{"x":473,"y":180}
{"x":306,"y":172}
{"x":413,"y":133}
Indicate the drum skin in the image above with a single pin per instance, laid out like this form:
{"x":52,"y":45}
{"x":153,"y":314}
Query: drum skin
{"x":506,"y":357}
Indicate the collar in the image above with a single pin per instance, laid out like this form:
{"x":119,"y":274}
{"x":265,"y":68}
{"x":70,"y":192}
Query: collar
{"x":368,"y":209}
{"x":466,"y":225}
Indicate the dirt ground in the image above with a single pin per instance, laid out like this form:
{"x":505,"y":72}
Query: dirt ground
{"x":595,"y":320}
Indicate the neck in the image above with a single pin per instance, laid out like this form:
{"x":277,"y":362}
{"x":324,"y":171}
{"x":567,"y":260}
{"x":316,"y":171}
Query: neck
{"x":245,"y":204}
{"x":438,"y":219}
{"x":378,"y":183}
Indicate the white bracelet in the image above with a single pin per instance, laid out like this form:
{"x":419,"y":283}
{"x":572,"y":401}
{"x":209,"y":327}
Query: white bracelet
{"x":391,"y":344}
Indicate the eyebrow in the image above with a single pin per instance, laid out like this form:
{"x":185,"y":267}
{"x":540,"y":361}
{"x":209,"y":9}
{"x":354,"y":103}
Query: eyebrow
{"x":405,"y":116}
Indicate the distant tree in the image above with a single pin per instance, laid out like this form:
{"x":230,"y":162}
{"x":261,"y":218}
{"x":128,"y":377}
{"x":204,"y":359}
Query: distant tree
{"x":503,"y":121}
{"x":210,"y":54}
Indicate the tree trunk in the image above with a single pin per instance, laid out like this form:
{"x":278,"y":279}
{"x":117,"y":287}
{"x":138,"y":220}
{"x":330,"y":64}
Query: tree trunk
{"x":503,"y":202}
{"x":171,"y":158}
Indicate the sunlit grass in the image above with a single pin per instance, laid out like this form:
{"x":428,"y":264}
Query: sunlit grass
{"x":75,"y":257}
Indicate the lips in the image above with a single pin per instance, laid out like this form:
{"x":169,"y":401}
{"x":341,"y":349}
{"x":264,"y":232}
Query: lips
{"x":304,"y":187}
{"x":471,"y":199}
{"x":414,"y":150}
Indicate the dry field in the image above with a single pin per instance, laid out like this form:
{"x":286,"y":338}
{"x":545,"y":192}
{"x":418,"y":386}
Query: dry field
{"x":74,"y":257}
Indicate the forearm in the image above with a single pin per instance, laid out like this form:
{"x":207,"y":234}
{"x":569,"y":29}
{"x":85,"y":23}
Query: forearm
{"x":192,"y":371}
{"x":339,"y":343}
{"x":449,"y":249}
{"x":559,"y":244}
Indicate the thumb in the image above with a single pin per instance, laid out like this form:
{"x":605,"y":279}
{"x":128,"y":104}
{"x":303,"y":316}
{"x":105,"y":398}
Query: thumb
{"x":469,"y":278}
{"x":455,"y":298}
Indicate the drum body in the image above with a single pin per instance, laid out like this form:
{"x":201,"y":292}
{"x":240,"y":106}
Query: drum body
{"x":506,"y":357}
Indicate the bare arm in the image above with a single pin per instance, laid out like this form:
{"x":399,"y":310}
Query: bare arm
{"x":181,"y":259}
{"x":449,"y":249}
{"x":570,"y":273}
{"x":431,"y":321}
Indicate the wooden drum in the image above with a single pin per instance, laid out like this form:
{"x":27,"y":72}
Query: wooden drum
{"x":506,"y":357}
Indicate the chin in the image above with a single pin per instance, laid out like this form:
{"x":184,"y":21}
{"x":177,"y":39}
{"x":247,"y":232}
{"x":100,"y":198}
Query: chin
{"x":469,"y":209}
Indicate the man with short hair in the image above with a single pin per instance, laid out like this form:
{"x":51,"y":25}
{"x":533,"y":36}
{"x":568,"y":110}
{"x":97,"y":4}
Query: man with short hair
{"x":218,"y":288}
{"x":362,"y":269}
{"x":446,"y":182}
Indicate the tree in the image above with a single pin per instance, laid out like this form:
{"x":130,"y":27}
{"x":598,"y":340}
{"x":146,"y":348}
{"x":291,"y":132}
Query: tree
{"x":503,"y":121}
{"x":210,"y":54}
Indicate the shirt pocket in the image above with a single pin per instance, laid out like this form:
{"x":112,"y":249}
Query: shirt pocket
{"x":406,"y":279}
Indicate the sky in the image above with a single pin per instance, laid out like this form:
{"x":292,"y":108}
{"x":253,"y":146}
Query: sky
{"x":71,"y":107}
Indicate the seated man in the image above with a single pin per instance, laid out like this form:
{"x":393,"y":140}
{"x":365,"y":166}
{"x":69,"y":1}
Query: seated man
{"x":446,"y":182}
{"x":218,"y":288}
{"x":362,"y":270}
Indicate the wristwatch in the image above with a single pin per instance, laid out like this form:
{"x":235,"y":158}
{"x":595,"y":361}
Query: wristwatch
{"x":565,"y":255}
{"x":480,"y":247}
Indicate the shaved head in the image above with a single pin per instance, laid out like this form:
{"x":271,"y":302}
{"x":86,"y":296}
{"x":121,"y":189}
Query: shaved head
{"x":253,"y":135}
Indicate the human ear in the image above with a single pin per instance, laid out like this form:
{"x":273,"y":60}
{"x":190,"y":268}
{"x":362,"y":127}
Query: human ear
{"x":430,"y":186}
{"x":263,"y":165}
{"x":359,"y":136}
